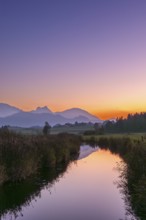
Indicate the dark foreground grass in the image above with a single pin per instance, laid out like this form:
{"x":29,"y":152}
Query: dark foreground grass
{"x":23,"y":155}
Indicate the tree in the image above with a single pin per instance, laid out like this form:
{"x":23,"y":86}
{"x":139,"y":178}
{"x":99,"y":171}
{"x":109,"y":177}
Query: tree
{"x":46,"y":128}
{"x":96,"y":127}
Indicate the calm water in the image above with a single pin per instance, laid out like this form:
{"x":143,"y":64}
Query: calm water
{"x":86,"y":191}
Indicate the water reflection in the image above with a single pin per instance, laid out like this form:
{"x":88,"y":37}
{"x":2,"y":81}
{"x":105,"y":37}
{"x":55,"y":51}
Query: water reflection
{"x":86,"y":150}
{"x":122,"y":185}
{"x":14,"y":197}
{"x":84,"y":190}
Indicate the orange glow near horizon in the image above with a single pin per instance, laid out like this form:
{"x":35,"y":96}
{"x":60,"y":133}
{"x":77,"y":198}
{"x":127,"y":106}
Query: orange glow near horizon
{"x":91,"y":56}
{"x":112,"y":114}
{"x":102,"y":114}
{"x":105,"y":107}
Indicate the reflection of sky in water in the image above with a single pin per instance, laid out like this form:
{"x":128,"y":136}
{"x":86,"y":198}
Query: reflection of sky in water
{"x":86,"y":150}
{"x":86,"y":191}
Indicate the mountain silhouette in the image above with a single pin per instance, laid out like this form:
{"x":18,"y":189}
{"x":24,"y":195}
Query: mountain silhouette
{"x":13,"y":116}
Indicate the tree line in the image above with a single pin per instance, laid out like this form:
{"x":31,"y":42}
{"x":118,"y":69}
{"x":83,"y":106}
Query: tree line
{"x":133,"y":123}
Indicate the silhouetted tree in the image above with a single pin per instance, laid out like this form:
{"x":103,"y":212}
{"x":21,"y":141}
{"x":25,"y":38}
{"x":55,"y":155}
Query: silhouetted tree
{"x":46,"y":128}
{"x":96,"y":126}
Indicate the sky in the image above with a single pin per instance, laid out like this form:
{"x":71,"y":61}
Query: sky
{"x":89,"y":54}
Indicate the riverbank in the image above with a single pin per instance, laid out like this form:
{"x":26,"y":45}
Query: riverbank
{"x":79,"y":191}
{"x":22,"y":156}
{"x":133,"y":136}
{"x":133,"y":176}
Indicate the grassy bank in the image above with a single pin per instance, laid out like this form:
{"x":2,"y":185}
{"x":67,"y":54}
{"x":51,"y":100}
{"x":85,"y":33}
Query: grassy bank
{"x":23,"y":155}
{"x":132,"y":150}
{"x":132,"y":136}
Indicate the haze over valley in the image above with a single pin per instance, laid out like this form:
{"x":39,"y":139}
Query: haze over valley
{"x":13,"y":116}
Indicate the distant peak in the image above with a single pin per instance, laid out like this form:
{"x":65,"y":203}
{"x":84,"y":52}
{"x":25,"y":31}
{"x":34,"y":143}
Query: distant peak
{"x":75,"y":109}
{"x":78,"y":113}
{"x":43,"y":109}
{"x":7,"y":110}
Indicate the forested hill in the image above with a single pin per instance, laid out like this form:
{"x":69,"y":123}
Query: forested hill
{"x":133,"y":123}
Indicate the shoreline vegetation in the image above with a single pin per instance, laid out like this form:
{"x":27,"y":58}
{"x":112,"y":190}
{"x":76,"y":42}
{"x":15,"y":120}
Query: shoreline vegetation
{"x":132,"y":171}
{"x":24,"y":155}
{"x":28,"y":190}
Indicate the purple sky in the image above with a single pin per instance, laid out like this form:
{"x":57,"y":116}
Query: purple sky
{"x":74,"y":53}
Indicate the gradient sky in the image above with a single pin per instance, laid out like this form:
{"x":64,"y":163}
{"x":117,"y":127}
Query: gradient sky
{"x":74,"y":53}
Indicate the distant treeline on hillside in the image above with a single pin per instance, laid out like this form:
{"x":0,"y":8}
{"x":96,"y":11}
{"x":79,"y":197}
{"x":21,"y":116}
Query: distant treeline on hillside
{"x":133,"y":123}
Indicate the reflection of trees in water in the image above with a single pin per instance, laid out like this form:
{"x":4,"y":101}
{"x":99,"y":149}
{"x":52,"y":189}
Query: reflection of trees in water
{"x":136,"y":179}
{"x":132,"y":181}
{"x":14,"y":197}
{"x":123,"y":186}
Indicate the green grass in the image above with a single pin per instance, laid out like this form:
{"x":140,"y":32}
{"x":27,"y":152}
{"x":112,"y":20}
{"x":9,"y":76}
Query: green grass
{"x":75,"y":129}
{"x":72,"y":130}
{"x":27,"y":131}
{"x":132,"y":136}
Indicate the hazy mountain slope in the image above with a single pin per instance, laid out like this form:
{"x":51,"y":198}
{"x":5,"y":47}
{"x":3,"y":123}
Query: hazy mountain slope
{"x":27,"y":119}
{"x":13,"y":116}
{"x":6,"y":110}
{"x":76,"y":112}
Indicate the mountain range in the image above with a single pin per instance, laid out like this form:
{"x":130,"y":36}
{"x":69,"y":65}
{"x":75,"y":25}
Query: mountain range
{"x":13,"y":116}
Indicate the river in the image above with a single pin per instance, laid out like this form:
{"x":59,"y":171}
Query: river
{"x":87,"y":190}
